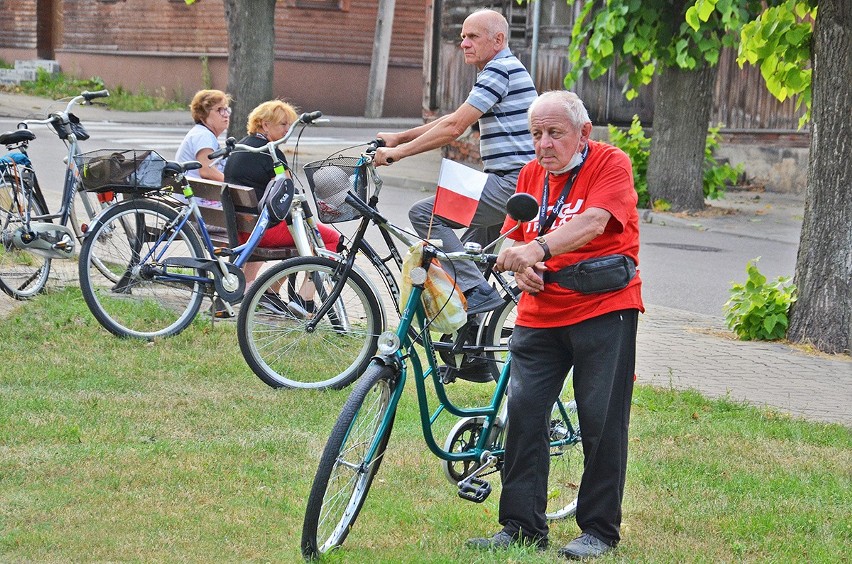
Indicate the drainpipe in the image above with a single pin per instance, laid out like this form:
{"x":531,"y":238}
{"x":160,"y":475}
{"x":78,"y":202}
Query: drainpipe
{"x":536,"y":25}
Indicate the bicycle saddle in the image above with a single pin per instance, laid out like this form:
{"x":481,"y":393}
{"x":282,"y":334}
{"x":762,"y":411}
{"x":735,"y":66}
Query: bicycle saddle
{"x":17,"y":136}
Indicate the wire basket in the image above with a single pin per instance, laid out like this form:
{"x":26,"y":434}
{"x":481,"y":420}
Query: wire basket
{"x":330,"y":180}
{"x":120,"y":170}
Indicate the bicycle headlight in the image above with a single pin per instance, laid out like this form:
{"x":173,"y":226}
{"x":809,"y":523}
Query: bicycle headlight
{"x":388,"y":342}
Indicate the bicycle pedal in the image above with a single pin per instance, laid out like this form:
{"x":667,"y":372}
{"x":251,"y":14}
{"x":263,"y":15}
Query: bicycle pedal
{"x":222,"y":252}
{"x":474,"y":489}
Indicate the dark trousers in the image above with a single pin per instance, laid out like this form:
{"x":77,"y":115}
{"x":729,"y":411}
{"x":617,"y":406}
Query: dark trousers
{"x":602,"y":351}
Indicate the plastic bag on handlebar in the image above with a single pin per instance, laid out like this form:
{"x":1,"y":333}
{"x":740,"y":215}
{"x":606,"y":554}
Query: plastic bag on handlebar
{"x":443,"y":300}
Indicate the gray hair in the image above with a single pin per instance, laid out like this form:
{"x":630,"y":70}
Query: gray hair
{"x":575,"y":111}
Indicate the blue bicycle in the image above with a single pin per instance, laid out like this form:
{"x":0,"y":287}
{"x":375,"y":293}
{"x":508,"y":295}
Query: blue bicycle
{"x":165,"y":263}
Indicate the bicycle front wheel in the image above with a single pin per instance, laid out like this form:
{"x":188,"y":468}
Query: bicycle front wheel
{"x":349,"y":462}
{"x":141,"y":297}
{"x":23,"y":272}
{"x":566,"y":456}
{"x":274,"y":329}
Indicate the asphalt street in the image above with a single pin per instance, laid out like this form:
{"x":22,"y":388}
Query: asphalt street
{"x":687,"y":262}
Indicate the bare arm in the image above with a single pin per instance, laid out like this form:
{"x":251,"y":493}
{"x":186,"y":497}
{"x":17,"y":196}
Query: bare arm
{"x":208,"y":170}
{"x":432,"y":135}
{"x":572,"y":235}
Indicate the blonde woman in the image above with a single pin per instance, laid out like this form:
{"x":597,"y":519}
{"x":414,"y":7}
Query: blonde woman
{"x":269,"y":121}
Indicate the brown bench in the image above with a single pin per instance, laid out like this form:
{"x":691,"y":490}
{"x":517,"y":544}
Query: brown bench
{"x":238,"y":214}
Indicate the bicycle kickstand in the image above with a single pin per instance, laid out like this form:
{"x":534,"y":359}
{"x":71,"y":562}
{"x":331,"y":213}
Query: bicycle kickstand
{"x":473,"y":488}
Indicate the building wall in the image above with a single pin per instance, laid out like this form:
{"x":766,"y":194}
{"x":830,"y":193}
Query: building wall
{"x":322,"y":55}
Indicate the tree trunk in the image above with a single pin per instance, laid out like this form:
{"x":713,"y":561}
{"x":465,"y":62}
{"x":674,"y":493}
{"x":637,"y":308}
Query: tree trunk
{"x":682,"y":104}
{"x":822,"y":315}
{"x":251,"y":57}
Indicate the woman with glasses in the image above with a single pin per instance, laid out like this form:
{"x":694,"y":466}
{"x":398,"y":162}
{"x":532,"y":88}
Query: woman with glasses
{"x":212,"y":114}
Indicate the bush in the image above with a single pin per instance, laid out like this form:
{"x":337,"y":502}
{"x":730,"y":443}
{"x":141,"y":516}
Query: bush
{"x":638,"y":147}
{"x":759,"y":310}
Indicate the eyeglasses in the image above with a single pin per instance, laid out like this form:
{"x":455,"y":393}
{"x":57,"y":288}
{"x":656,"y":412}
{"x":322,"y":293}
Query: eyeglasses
{"x":224,"y":112}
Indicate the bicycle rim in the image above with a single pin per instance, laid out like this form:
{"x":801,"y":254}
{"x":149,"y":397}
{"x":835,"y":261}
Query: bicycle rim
{"x":346,"y":469}
{"x":23,"y":273}
{"x":566,"y":456}
{"x":141,"y":303}
{"x":278,"y":344}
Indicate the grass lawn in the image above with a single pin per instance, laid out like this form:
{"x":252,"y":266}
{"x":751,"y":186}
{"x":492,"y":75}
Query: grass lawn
{"x":121,"y":450}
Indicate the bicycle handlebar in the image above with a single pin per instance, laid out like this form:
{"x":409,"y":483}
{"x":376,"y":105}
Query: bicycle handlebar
{"x":61,"y":117}
{"x":231,"y":144}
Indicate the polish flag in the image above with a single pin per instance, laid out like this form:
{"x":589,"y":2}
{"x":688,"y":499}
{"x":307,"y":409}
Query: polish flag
{"x":459,"y":188}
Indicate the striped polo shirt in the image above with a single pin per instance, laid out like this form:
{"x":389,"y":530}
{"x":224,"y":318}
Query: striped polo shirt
{"x":504,"y":91}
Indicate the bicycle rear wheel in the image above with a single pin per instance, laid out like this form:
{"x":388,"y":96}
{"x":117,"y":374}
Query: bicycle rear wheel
{"x":275,"y":338}
{"x":497,"y":330}
{"x":349,"y":462}
{"x":23,"y":272}
{"x":566,"y":456}
{"x":138,"y":299}
{"x":84,"y":209}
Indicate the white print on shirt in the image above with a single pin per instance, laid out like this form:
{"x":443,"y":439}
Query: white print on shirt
{"x":567,"y":212}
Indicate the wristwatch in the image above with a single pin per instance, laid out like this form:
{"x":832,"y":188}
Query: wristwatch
{"x":541,"y":241}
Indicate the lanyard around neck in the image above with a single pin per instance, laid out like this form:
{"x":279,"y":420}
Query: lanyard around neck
{"x":545,"y":220}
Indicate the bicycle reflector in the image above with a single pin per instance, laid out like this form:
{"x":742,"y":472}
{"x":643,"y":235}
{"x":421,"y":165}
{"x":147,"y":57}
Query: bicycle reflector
{"x":388,"y":343}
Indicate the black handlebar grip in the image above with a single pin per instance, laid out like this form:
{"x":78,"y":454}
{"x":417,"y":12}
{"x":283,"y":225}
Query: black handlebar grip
{"x":89,"y":96}
{"x":309,"y":117}
{"x":230,"y":142}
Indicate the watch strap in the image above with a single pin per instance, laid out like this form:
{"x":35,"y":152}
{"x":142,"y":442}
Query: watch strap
{"x":543,"y":243}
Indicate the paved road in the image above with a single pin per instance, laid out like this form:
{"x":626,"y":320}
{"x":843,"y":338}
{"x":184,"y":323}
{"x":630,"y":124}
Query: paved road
{"x":688,"y":263}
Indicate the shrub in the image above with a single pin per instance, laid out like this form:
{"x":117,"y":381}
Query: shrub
{"x":637,"y":146}
{"x":716,"y":175}
{"x":759,"y":310}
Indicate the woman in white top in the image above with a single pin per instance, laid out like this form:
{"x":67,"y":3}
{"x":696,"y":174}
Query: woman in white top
{"x":212,"y":114}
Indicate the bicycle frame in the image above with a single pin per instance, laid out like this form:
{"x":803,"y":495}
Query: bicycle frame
{"x":61,"y":122}
{"x":414,"y":313}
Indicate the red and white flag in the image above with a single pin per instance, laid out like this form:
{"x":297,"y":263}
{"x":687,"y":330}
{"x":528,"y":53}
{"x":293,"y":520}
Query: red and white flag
{"x":459,"y":188}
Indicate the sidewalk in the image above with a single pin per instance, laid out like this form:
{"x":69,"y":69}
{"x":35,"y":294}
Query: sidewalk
{"x":676,"y":348}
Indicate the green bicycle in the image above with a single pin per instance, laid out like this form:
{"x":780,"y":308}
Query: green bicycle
{"x":473,"y":448}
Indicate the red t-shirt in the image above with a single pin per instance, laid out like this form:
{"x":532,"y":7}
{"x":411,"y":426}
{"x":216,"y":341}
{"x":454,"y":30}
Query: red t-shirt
{"x":605,"y":181}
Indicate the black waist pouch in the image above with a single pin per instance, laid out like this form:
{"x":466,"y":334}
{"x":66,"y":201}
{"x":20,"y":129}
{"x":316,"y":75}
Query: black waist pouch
{"x":595,"y":275}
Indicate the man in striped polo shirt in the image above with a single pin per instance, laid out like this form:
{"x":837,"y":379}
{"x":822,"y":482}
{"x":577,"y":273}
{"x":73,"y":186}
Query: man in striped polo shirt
{"x":499,"y":100}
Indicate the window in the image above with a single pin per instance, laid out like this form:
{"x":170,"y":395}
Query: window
{"x":337,"y":5}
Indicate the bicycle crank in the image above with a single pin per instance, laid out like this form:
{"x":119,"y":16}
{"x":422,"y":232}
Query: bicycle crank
{"x":46,"y":239}
{"x":230,"y":288}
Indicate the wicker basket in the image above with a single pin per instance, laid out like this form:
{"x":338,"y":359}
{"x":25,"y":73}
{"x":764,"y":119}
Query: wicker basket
{"x":330,"y":180}
{"x":120,"y":170}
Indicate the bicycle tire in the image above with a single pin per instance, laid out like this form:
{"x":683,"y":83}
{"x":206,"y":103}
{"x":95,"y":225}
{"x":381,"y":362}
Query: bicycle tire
{"x":139,"y":304}
{"x":566,"y":460}
{"x":344,"y":474}
{"x":280,"y":350}
{"x":23,"y":273}
{"x":498,"y":329}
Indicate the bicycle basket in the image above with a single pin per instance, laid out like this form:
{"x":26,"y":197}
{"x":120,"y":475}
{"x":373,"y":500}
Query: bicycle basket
{"x":330,"y":179}
{"x":120,"y":170}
